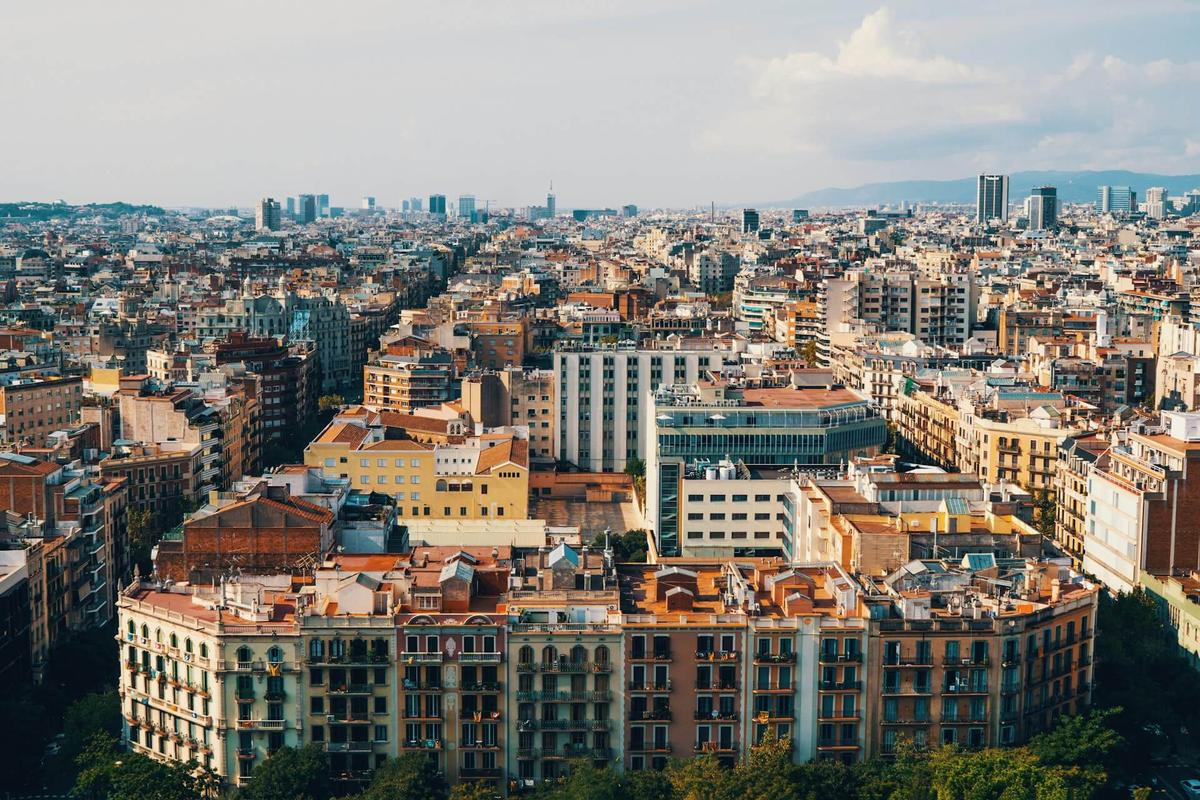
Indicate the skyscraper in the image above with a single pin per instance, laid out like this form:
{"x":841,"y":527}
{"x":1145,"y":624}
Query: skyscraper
{"x":1156,"y":202}
{"x":551,"y":203}
{"x":308,"y":208}
{"x":991,"y":199}
{"x":323,"y":205}
{"x":368,"y":203}
{"x":1043,"y":208}
{"x":1117,"y":200}
{"x":466,"y":207}
{"x":749,"y":220}
{"x":437,"y":205}
{"x":629,"y":210}
{"x":291,"y":206}
{"x":266,"y":214}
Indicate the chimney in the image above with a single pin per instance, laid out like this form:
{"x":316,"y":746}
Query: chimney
{"x":1055,"y":591}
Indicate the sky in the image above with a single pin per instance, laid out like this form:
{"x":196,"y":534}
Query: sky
{"x":661,"y":103}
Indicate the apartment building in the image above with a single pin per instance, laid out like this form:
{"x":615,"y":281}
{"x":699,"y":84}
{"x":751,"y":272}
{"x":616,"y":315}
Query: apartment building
{"x":498,"y":345}
{"x":567,"y":666}
{"x":1077,"y":457}
{"x":982,"y":653}
{"x":484,"y":476}
{"x":1141,"y":504}
{"x":504,"y":667}
{"x":290,"y":382}
{"x":515,"y":397}
{"x":34,"y":406}
{"x":262,"y":528}
{"x":405,"y":383}
{"x":603,"y":396}
{"x":177,"y":417}
{"x":1178,"y":600}
{"x":799,"y":420}
{"x":162,"y":479}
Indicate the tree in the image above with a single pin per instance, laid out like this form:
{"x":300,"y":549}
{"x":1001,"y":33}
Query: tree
{"x":87,"y":716}
{"x":700,"y":778}
{"x":290,"y":774}
{"x":1044,"y":513}
{"x":808,"y":351}
{"x":142,"y":536}
{"x":636,"y":469}
{"x":629,"y":547}
{"x":648,"y":784}
{"x":330,"y":402}
{"x":473,"y":790}
{"x":1082,"y":740}
{"x":107,"y":773}
{"x":412,"y":776}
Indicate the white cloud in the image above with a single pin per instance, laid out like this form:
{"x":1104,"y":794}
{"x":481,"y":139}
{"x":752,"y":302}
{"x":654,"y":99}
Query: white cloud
{"x":884,"y":98}
{"x":876,"y":49}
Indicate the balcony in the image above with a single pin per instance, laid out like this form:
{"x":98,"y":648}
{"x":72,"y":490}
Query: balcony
{"x":774,"y":687}
{"x":567,"y":667}
{"x":838,"y":716}
{"x":480,"y":772}
{"x":966,"y":662}
{"x":962,"y":688}
{"x":893,"y":662}
{"x":480,"y":658}
{"x":634,"y":686}
{"x":494,"y":686}
{"x":841,"y":686}
{"x":657,"y":655}
{"x":717,"y":655}
{"x":714,"y":714}
{"x":274,"y":696}
{"x":245,"y":753}
{"x":562,"y":724}
{"x":421,"y":744}
{"x":352,"y":688}
{"x":649,"y":747}
{"x":261,"y":724}
{"x":718,"y":686}
{"x":348,"y":747}
{"x":564,"y":697}
{"x":244,"y":695}
{"x":774,"y":658}
{"x":413,"y":714}
{"x":420,"y":658}
{"x":907,"y":721}
{"x":651,"y":714}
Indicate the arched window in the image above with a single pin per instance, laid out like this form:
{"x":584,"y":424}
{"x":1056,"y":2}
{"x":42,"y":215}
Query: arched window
{"x":549,"y":654}
{"x":600,"y":655}
{"x":132,"y":628}
{"x":440,"y":486}
{"x":145,"y":632}
{"x":379,"y":650}
{"x":525,"y":655}
{"x":203,"y":650}
{"x":316,"y":649}
{"x":578,"y":654}
{"x":244,"y":655}
{"x":187,"y":645}
{"x":174,"y":640}
{"x":275,"y":655}
{"x":158,"y":635}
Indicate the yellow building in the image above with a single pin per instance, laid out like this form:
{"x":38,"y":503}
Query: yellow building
{"x":926,"y":426}
{"x":477,"y":477}
{"x":1021,"y":451}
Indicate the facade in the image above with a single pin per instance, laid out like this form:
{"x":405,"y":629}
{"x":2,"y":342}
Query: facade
{"x":32,"y":407}
{"x":603,"y":398}
{"x":289,"y":381}
{"x":266,"y":214}
{"x":1117,"y":200}
{"x":477,"y":477}
{"x":808,"y":424}
{"x":404,"y":383}
{"x":1141,"y":503}
{"x":1043,"y":208}
{"x":179,"y":418}
{"x":505,"y":669}
{"x":991,"y":201}
{"x":515,"y":397}
{"x":1177,"y":599}
{"x":1077,"y":457}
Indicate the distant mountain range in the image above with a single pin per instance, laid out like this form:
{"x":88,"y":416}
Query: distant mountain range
{"x":1073,"y":187}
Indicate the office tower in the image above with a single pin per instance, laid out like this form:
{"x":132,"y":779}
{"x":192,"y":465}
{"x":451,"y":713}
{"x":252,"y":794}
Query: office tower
{"x":466,"y":206}
{"x":1156,"y":202}
{"x":308,"y":208}
{"x":799,"y":215}
{"x":323,"y":205}
{"x":404,"y":206}
{"x":266,"y":215}
{"x":629,"y":210}
{"x":368,"y":203}
{"x":991,"y":199}
{"x":1043,"y":208}
{"x":291,"y":206}
{"x":551,"y":203}
{"x":1117,"y":200}
{"x":749,"y":220}
{"x":437,"y":205}
{"x":415,"y":204}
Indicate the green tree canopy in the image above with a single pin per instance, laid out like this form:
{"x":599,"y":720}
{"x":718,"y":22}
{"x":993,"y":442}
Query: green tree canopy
{"x":290,"y":774}
{"x":412,"y":776}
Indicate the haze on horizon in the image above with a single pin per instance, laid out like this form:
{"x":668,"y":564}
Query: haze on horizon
{"x":653,"y":102}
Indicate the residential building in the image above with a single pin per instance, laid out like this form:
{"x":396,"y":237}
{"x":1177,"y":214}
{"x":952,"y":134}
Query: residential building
{"x":34,"y":406}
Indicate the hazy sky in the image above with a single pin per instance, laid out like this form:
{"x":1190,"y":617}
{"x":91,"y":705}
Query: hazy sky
{"x":654,"y":102}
